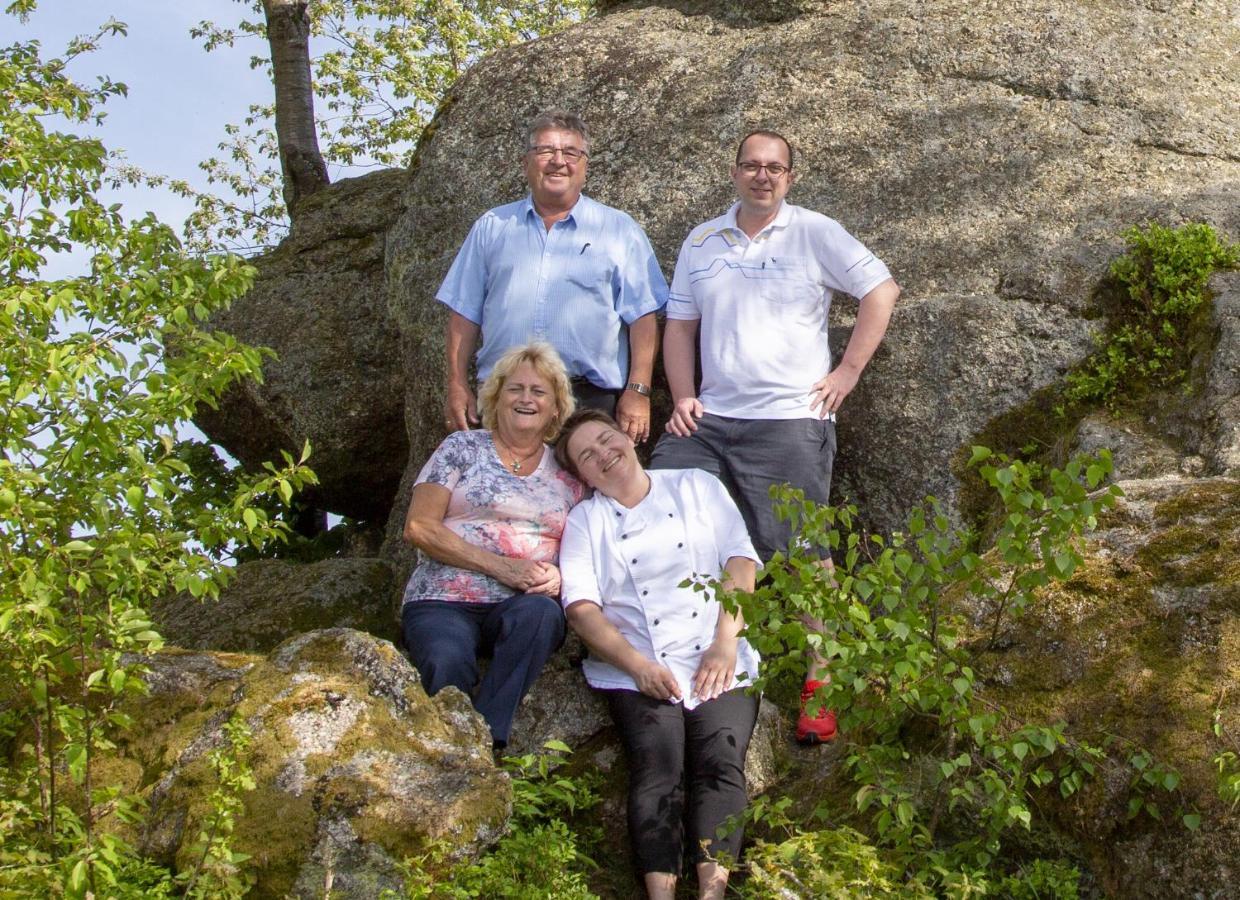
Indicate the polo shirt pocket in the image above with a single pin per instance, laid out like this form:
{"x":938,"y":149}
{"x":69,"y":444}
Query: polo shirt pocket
{"x":786,"y":280}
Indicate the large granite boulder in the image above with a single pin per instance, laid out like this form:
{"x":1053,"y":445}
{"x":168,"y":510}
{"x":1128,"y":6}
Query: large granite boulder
{"x":991,"y":155}
{"x":320,"y":302}
{"x":269,"y":601}
{"x":1143,"y":643}
{"x":356,"y":769}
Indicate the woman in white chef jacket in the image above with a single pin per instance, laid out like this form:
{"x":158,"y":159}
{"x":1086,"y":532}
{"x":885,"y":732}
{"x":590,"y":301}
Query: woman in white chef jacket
{"x":669,"y":660}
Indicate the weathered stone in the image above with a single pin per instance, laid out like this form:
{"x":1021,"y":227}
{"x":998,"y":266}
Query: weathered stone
{"x":1135,"y":453}
{"x":320,"y":303}
{"x":991,"y":155}
{"x":356,"y":768}
{"x":1143,"y":643}
{"x":270,"y":601}
{"x":1221,"y":443}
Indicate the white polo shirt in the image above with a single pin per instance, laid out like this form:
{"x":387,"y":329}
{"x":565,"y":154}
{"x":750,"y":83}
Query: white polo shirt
{"x":763,"y":305}
{"x":630,"y":562}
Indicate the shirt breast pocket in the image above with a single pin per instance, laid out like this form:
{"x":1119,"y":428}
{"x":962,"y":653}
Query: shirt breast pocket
{"x":789,"y":281}
{"x":588,"y":273}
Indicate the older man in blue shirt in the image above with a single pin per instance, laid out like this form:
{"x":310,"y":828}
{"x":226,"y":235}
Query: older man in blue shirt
{"x":560,"y":267}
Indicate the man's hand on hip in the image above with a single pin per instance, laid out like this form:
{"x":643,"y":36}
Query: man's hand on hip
{"x":460,"y":408}
{"x":684,"y":418}
{"x":633,"y":415}
{"x":829,"y":392}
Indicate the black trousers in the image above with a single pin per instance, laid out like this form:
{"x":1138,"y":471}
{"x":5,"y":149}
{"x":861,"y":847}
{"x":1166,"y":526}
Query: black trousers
{"x":591,"y":396}
{"x":686,"y":773}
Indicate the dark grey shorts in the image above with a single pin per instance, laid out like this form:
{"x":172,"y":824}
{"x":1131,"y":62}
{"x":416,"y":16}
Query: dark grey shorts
{"x":750,"y":455}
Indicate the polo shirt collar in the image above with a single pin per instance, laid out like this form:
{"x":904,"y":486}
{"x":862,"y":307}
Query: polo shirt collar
{"x":781,"y":220}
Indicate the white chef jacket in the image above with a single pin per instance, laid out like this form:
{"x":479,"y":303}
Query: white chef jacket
{"x":631,"y":562}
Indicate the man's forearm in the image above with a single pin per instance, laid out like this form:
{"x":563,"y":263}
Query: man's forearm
{"x":873,"y":315}
{"x":462,"y":340}
{"x":643,"y":343}
{"x":680,"y":356}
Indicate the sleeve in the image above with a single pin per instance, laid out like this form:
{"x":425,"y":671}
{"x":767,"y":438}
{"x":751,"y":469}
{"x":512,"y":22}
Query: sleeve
{"x":731,"y":536}
{"x":681,"y":304}
{"x":449,"y":462}
{"x":640,"y":287}
{"x":464,"y":287}
{"x":577,"y":578}
{"x":849,"y":265}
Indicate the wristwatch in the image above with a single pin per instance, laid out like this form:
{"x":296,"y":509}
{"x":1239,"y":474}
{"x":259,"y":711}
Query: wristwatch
{"x":638,"y":388}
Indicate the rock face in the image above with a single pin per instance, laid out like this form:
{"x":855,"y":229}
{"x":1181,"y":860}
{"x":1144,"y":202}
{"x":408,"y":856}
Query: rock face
{"x":320,"y":303}
{"x":356,"y":768}
{"x":270,"y":601}
{"x":1144,"y":642}
{"x":991,"y":155}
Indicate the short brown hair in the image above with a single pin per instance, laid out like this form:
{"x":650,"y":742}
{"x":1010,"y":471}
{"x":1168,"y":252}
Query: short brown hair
{"x":547,"y":363}
{"x":762,"y":132}
{"x":571,"y":424}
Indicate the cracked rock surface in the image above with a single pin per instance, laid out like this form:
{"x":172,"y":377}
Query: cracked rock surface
{"x":991,"y":153}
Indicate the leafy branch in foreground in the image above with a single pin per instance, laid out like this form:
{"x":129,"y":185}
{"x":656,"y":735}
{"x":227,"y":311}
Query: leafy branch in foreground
{"x":941,"y":771}
{"x":98,"y":511}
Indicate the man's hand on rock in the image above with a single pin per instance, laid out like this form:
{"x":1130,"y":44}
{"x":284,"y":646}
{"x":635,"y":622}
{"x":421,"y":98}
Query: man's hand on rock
{"x":460,"y":408}
{"x":684,"y":418}
{"x":633,"y":415}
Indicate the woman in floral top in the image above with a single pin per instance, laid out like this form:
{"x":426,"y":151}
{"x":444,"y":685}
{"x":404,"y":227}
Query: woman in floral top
{"x":487,"y":512}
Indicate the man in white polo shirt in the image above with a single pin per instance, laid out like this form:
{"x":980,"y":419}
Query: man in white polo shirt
{"x":758,"y":282}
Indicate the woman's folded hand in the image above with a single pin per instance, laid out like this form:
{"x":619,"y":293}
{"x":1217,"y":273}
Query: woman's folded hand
{"x":528,"y":576}
{"x":656,"y":681}
{"x":716,"y":670}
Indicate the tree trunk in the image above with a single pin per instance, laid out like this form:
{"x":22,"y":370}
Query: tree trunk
{"x":301,"y":163}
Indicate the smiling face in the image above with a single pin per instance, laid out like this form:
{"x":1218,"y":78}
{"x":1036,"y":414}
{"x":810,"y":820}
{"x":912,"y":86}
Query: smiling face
{"x":604,"y":456}
{"x":760,"y":193}
{"x":526,"y":404}
{"x":555,"y":182}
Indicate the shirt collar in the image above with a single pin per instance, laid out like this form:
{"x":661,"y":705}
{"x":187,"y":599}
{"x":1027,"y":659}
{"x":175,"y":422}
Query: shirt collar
{"x":781,"y":220}
{"x":579,"y":209}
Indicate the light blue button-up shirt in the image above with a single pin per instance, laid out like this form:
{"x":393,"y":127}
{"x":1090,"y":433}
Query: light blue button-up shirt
{"x":577,"y":286}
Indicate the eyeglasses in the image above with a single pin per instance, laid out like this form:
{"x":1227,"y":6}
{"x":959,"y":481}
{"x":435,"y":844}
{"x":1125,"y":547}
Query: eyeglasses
{"x":775,"y":170}
{"x":570,"y":154}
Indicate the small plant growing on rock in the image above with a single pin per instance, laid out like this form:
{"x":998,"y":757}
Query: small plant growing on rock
{"x":1158,"y":312}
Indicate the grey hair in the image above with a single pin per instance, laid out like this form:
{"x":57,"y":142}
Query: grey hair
{"x":558,"y":120}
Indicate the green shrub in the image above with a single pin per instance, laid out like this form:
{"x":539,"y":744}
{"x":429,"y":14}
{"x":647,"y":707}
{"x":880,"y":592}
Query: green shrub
{"x":98,"y":512}
{"x":940,"y":772}
{"x":540,"y":858}
{"x":1159,"y":309}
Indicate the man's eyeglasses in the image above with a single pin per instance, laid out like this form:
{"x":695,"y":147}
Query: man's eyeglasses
{"x":773,"y":169}
{"x":570,"y":154}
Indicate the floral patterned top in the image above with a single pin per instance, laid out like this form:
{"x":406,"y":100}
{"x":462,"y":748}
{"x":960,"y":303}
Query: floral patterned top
{"x":494,"y":509}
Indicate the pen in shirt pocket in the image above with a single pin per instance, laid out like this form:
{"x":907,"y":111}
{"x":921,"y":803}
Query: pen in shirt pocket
{"x":584,"y":247}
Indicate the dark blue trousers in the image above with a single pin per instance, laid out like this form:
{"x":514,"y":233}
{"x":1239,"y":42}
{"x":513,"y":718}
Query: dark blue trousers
{"x":519,"y":634}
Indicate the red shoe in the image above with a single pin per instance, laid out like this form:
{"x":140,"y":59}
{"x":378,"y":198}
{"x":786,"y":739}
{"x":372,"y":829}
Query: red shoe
{"x":820,"y":728}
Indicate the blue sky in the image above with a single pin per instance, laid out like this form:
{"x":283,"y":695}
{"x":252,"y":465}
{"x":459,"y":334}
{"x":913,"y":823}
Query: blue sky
{"x":180,"y":96}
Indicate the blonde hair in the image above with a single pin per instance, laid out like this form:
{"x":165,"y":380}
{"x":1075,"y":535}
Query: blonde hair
{"x":547,"y":363}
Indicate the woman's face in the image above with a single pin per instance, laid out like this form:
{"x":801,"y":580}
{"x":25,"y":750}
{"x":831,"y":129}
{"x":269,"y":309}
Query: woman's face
{"x":605,"y":457}
{"x":526,"y":402}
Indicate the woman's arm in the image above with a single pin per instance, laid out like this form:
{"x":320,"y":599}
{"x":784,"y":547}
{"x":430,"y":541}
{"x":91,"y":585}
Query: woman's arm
{"x":718,"y":666}
{"x":424,"y":528}
{"x":605,"y":641}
